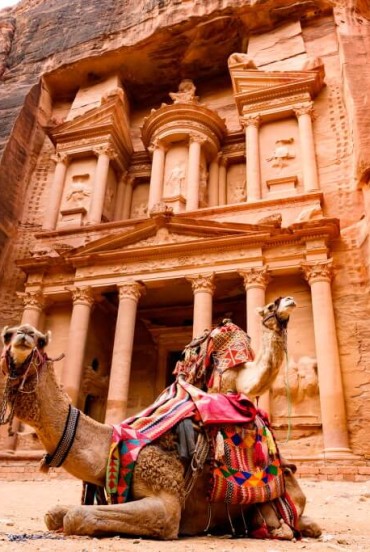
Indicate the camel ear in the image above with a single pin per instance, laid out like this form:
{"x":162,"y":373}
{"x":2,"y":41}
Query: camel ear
{"x":43,"y":339}
{"x":6,"y":335}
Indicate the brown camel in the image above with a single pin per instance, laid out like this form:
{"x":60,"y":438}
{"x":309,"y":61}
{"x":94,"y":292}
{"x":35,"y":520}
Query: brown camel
{"x":157,"y":506}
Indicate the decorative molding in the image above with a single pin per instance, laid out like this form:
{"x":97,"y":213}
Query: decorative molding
{"x":318,"y":271}
{"x":131,"y":290}
{"x":202,"y":283}
{"x":255,"y":277}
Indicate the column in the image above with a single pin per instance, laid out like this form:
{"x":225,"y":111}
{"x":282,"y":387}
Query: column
{"x":253,"y":170}
{"x":105,"y":154}
{"x":333,"y":413}
{"x":203,"y":289}
{"x":73,"y":363}
{"x":126,"y":211}
{"x":56,"y":191}
{"x":120,"y":197}
{"x":158,"y":149}
{"x":222,"y":181}
{"x":213,"y":183}
{"x":309,"y":164}
{"x":255,"y":283}
{"x":119,"y":381}
{"x":33,"y":302}
{"x":192,"y":188}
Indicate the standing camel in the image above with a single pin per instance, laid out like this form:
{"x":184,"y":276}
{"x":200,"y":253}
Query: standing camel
{"x":158,"y":507}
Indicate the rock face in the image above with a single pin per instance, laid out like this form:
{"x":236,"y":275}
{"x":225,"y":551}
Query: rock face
{"x":142,"y":92}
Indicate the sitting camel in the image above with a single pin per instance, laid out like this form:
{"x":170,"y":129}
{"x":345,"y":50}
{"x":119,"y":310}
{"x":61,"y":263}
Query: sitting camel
{"x":161,"y":502}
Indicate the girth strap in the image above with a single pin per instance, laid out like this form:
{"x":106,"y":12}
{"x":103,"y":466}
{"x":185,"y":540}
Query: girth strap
{"x":56,"y":459}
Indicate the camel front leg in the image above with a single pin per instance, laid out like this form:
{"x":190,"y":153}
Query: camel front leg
{"x":156,"y":517}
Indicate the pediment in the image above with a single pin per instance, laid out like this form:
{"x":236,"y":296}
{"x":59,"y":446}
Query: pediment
{"x":109,"y":120}
{"x":166,"y":232}
{"x":256,"y":86}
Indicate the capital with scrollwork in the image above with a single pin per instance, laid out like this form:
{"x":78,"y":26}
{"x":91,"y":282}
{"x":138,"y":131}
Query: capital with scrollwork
{"x":318,"y":271}
{"x":60,"y":157}
{"x":131,"y":290}
{"x":304,"y":109}
{"x":255,"y":277}
{"x":157,"y":144}
{"x":107,"y":150}
{"x":32,"y":299}
{"x":198,"y":138}
{"x":82,"y":296}
{"x":251,"y":120}
{"x":202,"y":283}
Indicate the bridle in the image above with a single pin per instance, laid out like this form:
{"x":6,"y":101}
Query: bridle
{"x":17,"y":376}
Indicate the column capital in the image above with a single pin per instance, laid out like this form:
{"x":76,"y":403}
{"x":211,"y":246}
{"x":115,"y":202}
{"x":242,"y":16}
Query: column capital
{"x":107,"y":150}
{"x":304,"y":109}
{"x":131,"y":290}
{"x":198,"y":138}
{"x":318,"y":271}
{"x":202,"y":282}
{"x":82,"y":295}
{"x":59,"y":157}
{"x":255,"y":277}
{"x":32,"y":299}
{"x":157,"y":143}
{"x":251,"y":120}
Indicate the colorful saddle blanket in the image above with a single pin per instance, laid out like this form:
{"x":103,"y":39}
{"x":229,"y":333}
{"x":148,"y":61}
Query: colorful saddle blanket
{"x":246,"y":471}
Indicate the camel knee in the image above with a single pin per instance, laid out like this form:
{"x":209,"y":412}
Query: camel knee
{"x":55,"y":516}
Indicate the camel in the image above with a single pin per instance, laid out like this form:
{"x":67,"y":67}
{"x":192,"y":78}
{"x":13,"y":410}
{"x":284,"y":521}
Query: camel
{"x":160,"y":505}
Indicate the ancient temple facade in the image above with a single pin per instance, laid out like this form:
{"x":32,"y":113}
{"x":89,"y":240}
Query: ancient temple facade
{"x":192,"y":173}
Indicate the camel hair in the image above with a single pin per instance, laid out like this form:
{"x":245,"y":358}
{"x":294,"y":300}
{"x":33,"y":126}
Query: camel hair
{"x":157,"y":506}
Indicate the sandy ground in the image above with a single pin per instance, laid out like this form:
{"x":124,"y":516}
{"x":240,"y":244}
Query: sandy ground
{"x":342,"y":509}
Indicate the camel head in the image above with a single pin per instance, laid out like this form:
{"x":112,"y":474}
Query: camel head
{"x":275,"y":316}
{"x":20,"y":341}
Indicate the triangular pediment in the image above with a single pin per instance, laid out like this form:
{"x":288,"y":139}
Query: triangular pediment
{"x":166,"y":232}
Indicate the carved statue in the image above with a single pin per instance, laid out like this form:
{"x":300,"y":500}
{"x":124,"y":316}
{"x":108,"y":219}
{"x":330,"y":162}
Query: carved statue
{"x":281,"y":153}
{"x":163,"y":501}
{"x":185,"y":94}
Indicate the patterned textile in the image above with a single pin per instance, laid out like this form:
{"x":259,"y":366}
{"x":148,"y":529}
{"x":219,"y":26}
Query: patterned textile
{"x":236,"y":477}
{"x":288,"y":512}
{"x":172,"y":406}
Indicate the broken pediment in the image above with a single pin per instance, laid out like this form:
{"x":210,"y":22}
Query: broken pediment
{"x":253,"y":86}
{"x":106,"y":124}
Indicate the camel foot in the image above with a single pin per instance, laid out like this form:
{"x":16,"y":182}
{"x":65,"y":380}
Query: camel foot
{"x":309,"y":528}
{"x":284,"y":532}
{"x":55,"y":516}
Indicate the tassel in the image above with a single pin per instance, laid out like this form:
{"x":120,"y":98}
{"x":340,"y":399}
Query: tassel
{"x":259,"y":458}
{"x":219,"y":446}
{"x":44,"y":468}
{"x":270,"y":442}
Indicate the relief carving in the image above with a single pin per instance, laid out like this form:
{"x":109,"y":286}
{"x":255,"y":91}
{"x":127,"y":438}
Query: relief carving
{"x":140,"y":210}
{"x":238,"y":58}
{"x":282,"y":153}
{"x":79,"y":191}
{"x":301,"y":379}
{"x":176,"y":181}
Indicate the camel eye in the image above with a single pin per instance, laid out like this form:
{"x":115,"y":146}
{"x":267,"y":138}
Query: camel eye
{"x":270,"y":307}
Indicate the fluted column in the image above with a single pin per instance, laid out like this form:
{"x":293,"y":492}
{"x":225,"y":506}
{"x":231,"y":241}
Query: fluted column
{"x":333,"y":412}
{"x":193,"y":181}
{"x":33,"y":302}
{"x":213,"y":182}
{"x":119,"y":381}
{"x":253,"y":170}
{"x":203,"y":289}
{"x":255,"y":283}
{"x":56,"y":191}
{"x":78,"y":328}
{"x":105,"y":154}
{"x":309,"y":163}
{"x":128,"y":197}
{"x":222,"y":181}
{"x":158,"y":148}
